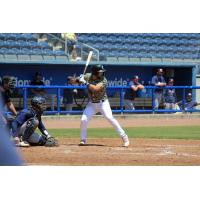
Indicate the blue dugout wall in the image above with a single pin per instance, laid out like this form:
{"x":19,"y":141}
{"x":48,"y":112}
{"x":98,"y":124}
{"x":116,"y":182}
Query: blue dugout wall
{"x":117,"y":74}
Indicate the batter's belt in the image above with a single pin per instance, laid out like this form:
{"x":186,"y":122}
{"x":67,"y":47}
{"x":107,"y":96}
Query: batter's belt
{"x":100,"y":101}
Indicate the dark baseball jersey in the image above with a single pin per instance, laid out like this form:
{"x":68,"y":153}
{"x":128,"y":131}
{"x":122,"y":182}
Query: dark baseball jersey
{"x":130,"y":94}
{"x":23,"y":116}
{"x":100,"y":95}
{"x":5,"y":96}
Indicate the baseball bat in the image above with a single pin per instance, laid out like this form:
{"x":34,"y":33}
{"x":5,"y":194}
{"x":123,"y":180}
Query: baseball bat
{"x":88,"y":61}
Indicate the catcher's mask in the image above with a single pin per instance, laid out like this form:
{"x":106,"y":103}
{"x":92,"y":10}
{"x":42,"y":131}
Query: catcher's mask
{"x":38,"y":103}
{"x":8,"y":83}
{"x":98,"y":70}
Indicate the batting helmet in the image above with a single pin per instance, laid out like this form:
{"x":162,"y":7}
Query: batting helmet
{"x":38,"y":103}
{"x":97,"y":68}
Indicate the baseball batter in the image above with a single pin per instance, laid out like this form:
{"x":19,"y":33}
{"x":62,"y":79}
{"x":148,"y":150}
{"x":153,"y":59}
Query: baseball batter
{"x":98,"y":102}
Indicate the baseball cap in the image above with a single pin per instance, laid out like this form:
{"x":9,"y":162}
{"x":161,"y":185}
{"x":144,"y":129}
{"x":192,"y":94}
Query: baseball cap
{"x":135,"y":77}
{"x":160,"y":70}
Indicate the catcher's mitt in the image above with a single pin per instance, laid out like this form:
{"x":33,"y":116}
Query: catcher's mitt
{"x":51,"y":142}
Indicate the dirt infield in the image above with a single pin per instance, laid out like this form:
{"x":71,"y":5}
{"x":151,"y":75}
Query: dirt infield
{"x":153,"y":152}
{"x":125,"y":121}
{"x":106,"y":152}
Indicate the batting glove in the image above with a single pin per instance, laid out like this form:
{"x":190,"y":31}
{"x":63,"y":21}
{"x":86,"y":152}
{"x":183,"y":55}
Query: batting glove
{"x":82,"y":79}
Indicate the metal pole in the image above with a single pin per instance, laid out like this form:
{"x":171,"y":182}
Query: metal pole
{"x":183,"y":100}
{"x":121,"y":100}
{"x":58,"y":100}
{"x":66,"y":46}
{"x":153,"y":97}
{"x":24,"y":97}
{"x":81,"y":52}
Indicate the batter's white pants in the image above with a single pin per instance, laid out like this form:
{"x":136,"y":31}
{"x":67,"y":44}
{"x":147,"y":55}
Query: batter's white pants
{"x":105,"y":110}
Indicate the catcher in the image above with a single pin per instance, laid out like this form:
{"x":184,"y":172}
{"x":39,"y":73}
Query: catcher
{"x":26,"y":123}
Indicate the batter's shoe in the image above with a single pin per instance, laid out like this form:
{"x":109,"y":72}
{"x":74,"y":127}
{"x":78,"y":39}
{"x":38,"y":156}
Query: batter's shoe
{"x":24,"y":144}
{"x":125,"y":141}
{"x":82,"y":143}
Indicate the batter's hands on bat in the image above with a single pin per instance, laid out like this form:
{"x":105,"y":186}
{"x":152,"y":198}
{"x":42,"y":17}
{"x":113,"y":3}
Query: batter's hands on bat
{"x":82,"y":79}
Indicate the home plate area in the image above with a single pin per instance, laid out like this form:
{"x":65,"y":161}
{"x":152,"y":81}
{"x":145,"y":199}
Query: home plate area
{"x":109,"y":152}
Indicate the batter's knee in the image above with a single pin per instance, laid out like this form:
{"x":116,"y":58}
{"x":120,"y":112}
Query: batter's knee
{"x":84,"y":119}
{"x":110,"y":118}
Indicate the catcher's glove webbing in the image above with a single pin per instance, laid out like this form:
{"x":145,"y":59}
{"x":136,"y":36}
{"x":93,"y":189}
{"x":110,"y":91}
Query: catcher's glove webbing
{"x":51,"y":142}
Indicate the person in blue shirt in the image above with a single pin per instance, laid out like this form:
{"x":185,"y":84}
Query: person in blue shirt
{"x":27,"y":121}
{"x":170,"y":96}
{"x":189,"y":103}
{"x":158,"y":80}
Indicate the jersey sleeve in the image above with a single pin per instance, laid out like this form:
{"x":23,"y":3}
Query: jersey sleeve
{"x":22,"y":116}
{"x":87,"y":76}
{"x":153,"y":80}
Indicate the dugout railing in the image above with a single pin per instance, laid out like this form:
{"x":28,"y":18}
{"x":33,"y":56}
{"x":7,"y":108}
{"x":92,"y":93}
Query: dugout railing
{"x":146,"y":101}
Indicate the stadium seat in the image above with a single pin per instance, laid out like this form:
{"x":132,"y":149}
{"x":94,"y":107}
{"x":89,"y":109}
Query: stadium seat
{"x":44,"y":45}
{"x":3,"y":50}
{"x":59,"y":53}
{"x":143,"y":45}
{"x":122,"y":53}
{"x":110,"y":54}
{"x":27,"y":37}
{"x":33,"y":44}
{"x":24,"y":51}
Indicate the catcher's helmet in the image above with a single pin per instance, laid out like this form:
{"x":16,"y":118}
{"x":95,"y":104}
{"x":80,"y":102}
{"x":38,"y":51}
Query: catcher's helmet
{"x":38,"y":103}
{"x":97,"y":68}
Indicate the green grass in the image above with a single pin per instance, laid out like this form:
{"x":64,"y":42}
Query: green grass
{"x":179,"y":132}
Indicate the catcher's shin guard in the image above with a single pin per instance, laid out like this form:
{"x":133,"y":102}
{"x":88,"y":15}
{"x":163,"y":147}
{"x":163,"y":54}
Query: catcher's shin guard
{"x":42,"y":140}
{"x":31,"y":125}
